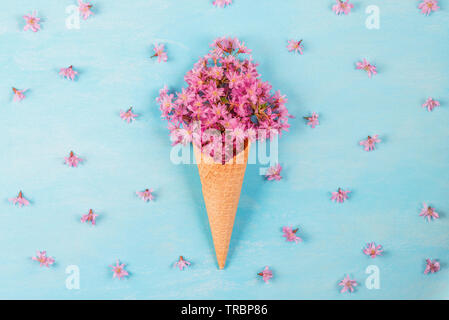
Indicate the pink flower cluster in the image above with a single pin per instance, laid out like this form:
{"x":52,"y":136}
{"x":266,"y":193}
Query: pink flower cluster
{"x":427,"y":6}
{"x":342,"y":7}
{"x":222,"y":3}
{"x":41,"y":257}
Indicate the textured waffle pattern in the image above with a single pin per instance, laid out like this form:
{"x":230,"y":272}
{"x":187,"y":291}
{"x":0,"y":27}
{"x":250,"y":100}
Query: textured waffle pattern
{"x":221,"y":185}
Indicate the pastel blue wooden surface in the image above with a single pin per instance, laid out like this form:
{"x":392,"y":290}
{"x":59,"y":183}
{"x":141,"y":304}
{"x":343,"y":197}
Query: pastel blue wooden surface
{"x":112,"y":49}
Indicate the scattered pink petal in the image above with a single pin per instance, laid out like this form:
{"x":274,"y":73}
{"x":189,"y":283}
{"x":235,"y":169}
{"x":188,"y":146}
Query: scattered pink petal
{"x":340,"y":195}
{"x":32,"y":22}
{"x":427,"y":6}
{"x":372,"y":250}
{"x":369,"y":68}
{"x":18,"y":94}
{"x":370,"y":142}
{"x":347,"y":284}
{"x":222,"y":3}
{"x":119,"y":270}
{"x":290,"y":234}
{"x":90,"y":217}
{"x":430,"y":104}
{"x":84,"y":9}
{"x":295,"y":46}
{"x":41,"y":257}
{"x":266,"y":274}
{"x":146,"y":195}
{"x":432,"y":266}
{"x":72,"y":160}
{"x":20,"y":200}
{"x":274,"y":172}
{"x":428,"y":212}
{"x":342,"y":7}
{"x":182,"y":263}
{"x":128,"y":115}
{"x":68,"y":73}
{"x":159,"y":53}
{"x":312,"y":120}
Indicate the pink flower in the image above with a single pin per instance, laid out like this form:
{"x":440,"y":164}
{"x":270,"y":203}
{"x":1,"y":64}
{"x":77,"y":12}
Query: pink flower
{"x":159,"y":53}
{"x":340,"y":195}
{"x":72,"y":160}
{"x":32,"y":22}
{"x":312,"y":120}
{"x":428,"y":212}
{"x":222,"y":3}
{"x":90,"y":217}
{"x":295,"y":46}
{"x":432,"y":266}
{"x":290,"y":235}
{"x":347,"y":284}
{"x":181,"y":264}
{"x":84,"y":9}
{"x":372,"y":250}
{"x":274,"y":172}
{"x":43,"y":259}
{"x":427,"y":6}
{"x":430,"y":104}
{"x":146,"y":195}
{"x":342,"y":7}
{"x":68,"y":73}
{"x":18,"y":94}
{"x":128,"y":115}
{"x":266,"y":274}
{"x":20,"y":200}
{"x":369,"y":68}
{"x":370,"y":142}
{"x":119,"y":270}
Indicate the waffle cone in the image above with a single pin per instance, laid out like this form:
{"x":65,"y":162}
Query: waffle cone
{"x":221,"y":185}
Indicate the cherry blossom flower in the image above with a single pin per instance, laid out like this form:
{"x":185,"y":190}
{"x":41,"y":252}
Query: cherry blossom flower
{"x":428,"y":212}
{"x":182,"y":263}
{"x":128,"y":115}
{"x":222,"y":3}
{"x":20,"y":200}
{"x":119,"y":270}
{"x":68,"y":73}
{"x":427,"y":6}
{"x":266,"y":274}
{"x":432,"y":266}
{"x":347,"y":284}
{"x":370,"y":142}
{"x":90,"y":217}
{"x":290,"y":235}
{"x":41,"y":257}
{"x":340,"y":195}
{"x":312,"y":120}
{"x":372,"y":250}
{"x":342,"y":7}
{"x":430,"y":104}
{"x":32,"y":22}
{"x":274,"y":172}
{"x":72,"y":160}
{"x":295,"y":46}
{"x":18,"y":94}
{"x":159,"y":53}
{"x":84,"y":9}
{"x":369,"y":68}
{"x":146,"y":195}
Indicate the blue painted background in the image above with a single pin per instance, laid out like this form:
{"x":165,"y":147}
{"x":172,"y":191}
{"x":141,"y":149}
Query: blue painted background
{"x":112,"y":49}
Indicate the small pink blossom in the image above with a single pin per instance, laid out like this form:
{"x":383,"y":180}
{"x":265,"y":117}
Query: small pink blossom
{"x":290,"y":234}
{"x":32,"y":22}
{"x":430,"y":104}
{"x":347,"y":284}
{"x":370,"y":142}
{"x":372,"y":250}
{"x":427,"y":6}
{"x":72,"y":160}
{"x":428,"y":212}
{"x":159,"y":53}
{"x":274,"y":172}
{"x":18,"y":94}
{"x":222,"y":3}
{"x":266,"y":274}
{"x":432,"y":266}
{"x":90,"y":217}
{"x":20,"y":200}
{"x":340,"y":195}
{"x":146,"y":195}
{"x":68,"y":73}
{"x":41,"y":257}
{"x":295,"y":46}
{"x":369,"y":68}
{"x":128,"y":115}
{"x":119,"y":270}
{"x":342,"y":7}
{"x":84,"y":9}
{"x":182,"y":263}
{"x":312,"y":120}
